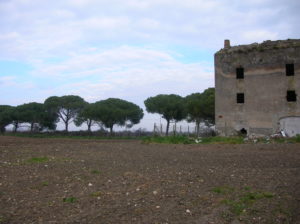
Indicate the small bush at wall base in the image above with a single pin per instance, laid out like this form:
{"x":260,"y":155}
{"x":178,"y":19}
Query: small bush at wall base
{"x":297,"y":138}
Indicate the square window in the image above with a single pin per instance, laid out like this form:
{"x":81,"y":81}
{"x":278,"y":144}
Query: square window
{"x":240,"y":98}
{"x":291,"y":96}
{"x":240,"y":73}
{"x":289,"y":69}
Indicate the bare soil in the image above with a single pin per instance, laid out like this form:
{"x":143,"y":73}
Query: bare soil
{"x":114,"y":181}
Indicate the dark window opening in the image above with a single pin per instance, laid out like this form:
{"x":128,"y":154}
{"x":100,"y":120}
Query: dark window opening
{"x":240,"y":73}
{"x":291,"y":96}
{"x":289,"y":68}
{"x":240,"y":98}
{"x":243,"y":131}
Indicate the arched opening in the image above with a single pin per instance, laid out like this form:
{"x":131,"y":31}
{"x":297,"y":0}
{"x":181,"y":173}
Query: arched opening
{"x":290,"y":125}
{"x":243,"y":131}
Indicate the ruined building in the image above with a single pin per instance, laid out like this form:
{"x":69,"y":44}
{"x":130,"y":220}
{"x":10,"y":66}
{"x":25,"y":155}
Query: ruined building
{"x":258,"y":87}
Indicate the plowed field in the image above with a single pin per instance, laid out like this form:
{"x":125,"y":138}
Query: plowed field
{"x":114,"y":181}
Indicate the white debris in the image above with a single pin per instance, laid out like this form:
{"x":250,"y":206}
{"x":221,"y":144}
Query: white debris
{"x":155,"y":192}
{"x":199,"y":140}
{"x":90,"y":184}
{"x":188,"y":211}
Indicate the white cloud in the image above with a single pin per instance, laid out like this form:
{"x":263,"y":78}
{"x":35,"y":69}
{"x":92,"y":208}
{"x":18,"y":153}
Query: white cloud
{"x":80,"y":3}
{"x":125,"y":71}
{"x":259,"y":35}
{"x":9,"y":36}
{"x":7,"y":81}
{"x":32,"y":30}
{"x":108,"y":61}
{"x":147,"y":23}
{"x":11,"y":82}
{"x":107,"y":23}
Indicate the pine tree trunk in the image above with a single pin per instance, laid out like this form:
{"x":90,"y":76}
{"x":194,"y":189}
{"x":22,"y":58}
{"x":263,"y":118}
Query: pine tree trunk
{"x":16,"y":126}
{"x":167,"y":130}
{"x":2,"y":129}
{"x":67,"y":126}
{"x":198,"y":127}
{"x":89,"y":124}
{"x":31,"y":127}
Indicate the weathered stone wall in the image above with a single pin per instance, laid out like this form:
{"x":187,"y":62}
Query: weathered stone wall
{"x":265,"y":86}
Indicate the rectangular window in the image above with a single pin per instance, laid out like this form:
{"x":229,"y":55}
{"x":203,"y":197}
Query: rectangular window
{"x":289,"y":69}
{"x":240,"y":73}
{"x":240,"y":98}
{"x":291,"y":96}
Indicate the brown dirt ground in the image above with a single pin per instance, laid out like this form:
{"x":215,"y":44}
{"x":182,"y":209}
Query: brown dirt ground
{"x":114,"y":181}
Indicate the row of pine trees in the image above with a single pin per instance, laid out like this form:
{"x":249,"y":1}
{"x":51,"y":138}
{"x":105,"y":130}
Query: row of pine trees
{"x":196,"y":107}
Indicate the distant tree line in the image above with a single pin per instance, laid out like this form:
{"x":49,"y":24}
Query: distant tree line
{"x":197,"y":107}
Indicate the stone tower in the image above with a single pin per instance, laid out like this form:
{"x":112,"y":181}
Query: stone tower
{"x":257,"y":88}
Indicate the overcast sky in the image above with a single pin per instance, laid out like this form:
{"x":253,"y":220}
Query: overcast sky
{"x":129,"y":49}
